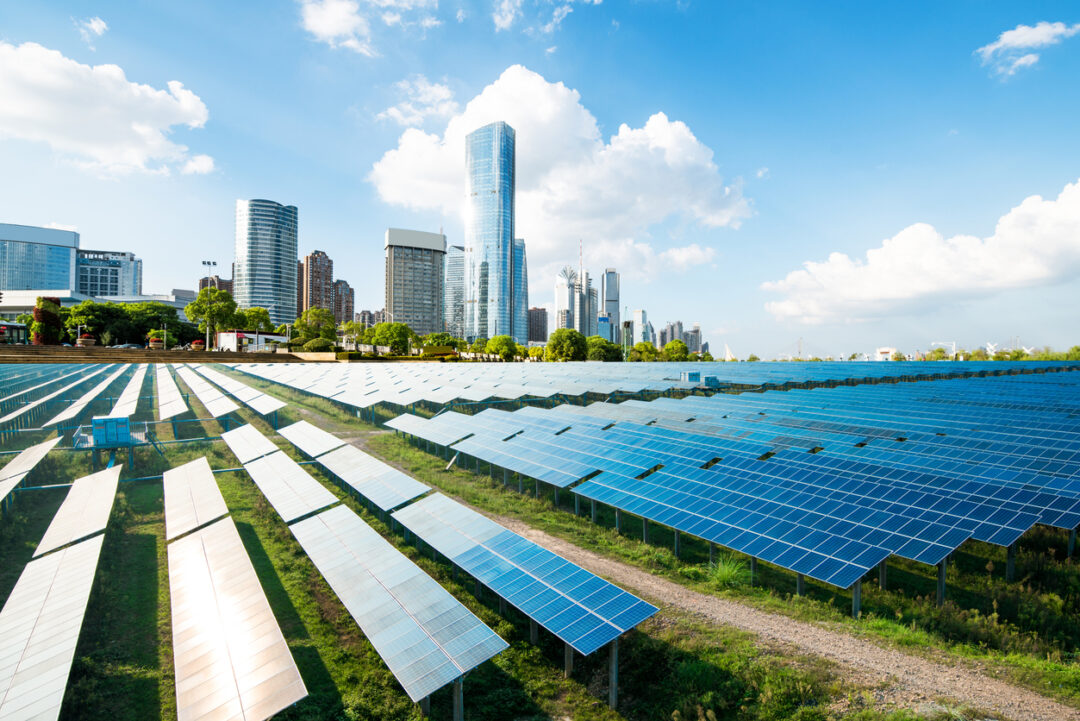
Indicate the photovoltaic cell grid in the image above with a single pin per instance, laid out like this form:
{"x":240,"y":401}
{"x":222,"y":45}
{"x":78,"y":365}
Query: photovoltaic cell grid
{"x":85,"y":510}
{"x":231,"y":659}
{"x":383,"y":485}
{"x":288,"y":487}
{"x":247,"y":443}
{"x":48,"y":397}
{"x":39,"y":630}
{"x":169,"y":399}
{"x":86,"y":399}
{"x":13,"y":473}
{"x":214,"y":400}
{"x":426,"y":637}
{"x":254,"y":399}
{"x":575,"y":605}
{"x":129,"y":398}
{"x":310,"y":439}
{"x":853,"y":503}
{"x":192,"y":498}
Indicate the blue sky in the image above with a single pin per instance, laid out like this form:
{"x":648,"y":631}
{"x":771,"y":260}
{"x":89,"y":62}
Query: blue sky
{"x":708,"y":150}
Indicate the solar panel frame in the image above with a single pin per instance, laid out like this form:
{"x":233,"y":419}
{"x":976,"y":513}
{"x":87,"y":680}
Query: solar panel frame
{"x":288,"y":487}
{"x":311,"y":439}
{"x":84,"y":512}
{"x":378,"y":482}
{"x":247,"y":443}
{"x":191,"y":497}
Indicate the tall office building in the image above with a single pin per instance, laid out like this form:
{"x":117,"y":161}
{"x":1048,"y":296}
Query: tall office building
{"x":344,"y":301}
{"x":33,"y":258}
{"x":642,"y":329}
{"x":565,"y":288}
{"x":454,"y":292}
{"x":103,"y":272}
{"x":216,"y":281}
{"x":603,"y":327}
{"x":414,"y":279}
{"x":538,"y":328}
{"x":266,"y":258}
{"x":489,"y":236}
{"x":318,"y":281}
{"x":520,"y":293}
{"x":609,"y":300}
{"x":670,"y":332}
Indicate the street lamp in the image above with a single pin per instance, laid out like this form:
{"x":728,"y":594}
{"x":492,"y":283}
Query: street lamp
{"x":209,"y":298}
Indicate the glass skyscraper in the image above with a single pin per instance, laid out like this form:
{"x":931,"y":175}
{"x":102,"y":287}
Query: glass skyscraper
{"x":520,"y":330}
{"x":33,"y":258}
{"x":266,"y":259}
{"x":491,"y":308}
{"x":454,"y":292}
{"x":609,"y":292}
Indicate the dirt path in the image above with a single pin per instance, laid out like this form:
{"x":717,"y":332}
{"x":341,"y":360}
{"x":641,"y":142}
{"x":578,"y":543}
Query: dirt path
{"x":914,"y":680}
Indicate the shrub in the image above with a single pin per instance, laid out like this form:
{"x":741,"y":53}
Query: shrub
{"x":729,"y":571}
{"x":318,"y":345}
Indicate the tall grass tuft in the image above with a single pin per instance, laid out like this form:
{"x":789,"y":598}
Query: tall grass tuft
{"x":729,"y":571}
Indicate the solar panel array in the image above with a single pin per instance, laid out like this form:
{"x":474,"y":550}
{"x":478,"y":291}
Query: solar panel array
{"x":426,"y":636}
{"x":25,"y":382}
{"x":288,"y":487}
{"x":86,"y":399}
{"x":15,"y":470}
{"x":215,"y":401}
{"x":170,"y":401}
{"x":129,"y":398}
{"x":24,"y":409}
{"x":39,"y":630}
{"x":192,"y":498}
{"x":824,"y":482}
{"x":365,"y":385}
{"x":575,"y":605}
{"x":231,"y":659}
{"x":247,"y":443}
{"x":85,"y":510}
{"x":254,"y":399}
{"x":378,"y":482}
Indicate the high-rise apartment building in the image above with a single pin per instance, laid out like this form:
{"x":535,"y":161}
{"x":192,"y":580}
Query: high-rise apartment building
{"x":368,"y":318}
{"x":538,"y":325}
{"x":33,"y":258}
{"x":642,"y":329}
{"x":671,"y":331}
{"x":454,"y":291}
{"x":490,"y":249}
{"x":318,"y":281}
{"x":103,"y":272}
{"x":266,"y":257}
{"x":609,"y":302}
{"x":692,"y":338}
{"x":216,"y":281}
{"x":344,"y":301}
{"x":414,"y":279}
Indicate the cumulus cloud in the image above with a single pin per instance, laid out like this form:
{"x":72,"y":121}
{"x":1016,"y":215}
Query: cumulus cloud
{"x":198,"y":165}
{"x":762,"y":173}
{"x":572,"y":183}
{"x":505,"y":13}
{"x":91,"y":28}
{"x":93,"y":115}
{"x":347,"y":23}
{"x":1011,"y":51}
{"x":1035,"y":243}
{"x":557,"y":17}
{"x":423,"y":99}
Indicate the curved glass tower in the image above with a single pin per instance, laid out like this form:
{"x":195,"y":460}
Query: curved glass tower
{"x":265,"y":274}
{"x":489,"y":232}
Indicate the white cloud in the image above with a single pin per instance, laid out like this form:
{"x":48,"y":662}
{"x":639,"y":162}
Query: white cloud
{"x":557,"y":17}
{"x":551,"y":50}
{"x":571,"y":183}
{"x":505,"y":13}
{"x":93,"y":114}
{"x":1035,"y":243}
{"x":762,"y":173}
{"x":338,"y":23}
{"x":423,"y":99}
{"x":460,"y":15}
{"x":1009,"y":53}
{"x":198,"y":165}
{"x":91,"y":28}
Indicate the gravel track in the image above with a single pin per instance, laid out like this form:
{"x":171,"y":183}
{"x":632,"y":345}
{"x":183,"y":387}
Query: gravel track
{"x":912,"y":680}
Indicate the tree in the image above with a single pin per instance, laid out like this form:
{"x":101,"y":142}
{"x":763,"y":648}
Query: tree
{"x":108,"y":322}
{"x":979,"y":354}
{"x":566,"y":344}
{"x":537,"y":351}
{"x":158,"y":334}
{"x":675,"y":351}
{"x":443,"y":339}
{"x":394,"y":335}
{"x":643,"y":351}
{"x":752,"y":359}
{"x":938,"y":354}
{"x":213,"y":307}
{"x":502,"y":346}
{"x":601,"y":349}
{"x":353,"y":331}
{"x":706,"y":357}
{"x":25,"y":318}
{"x":316,"y":323}
{"x":318,"y":345}
{"x":257,"y":319}
{"x":479,"y":345}
{"x":898,"y":356}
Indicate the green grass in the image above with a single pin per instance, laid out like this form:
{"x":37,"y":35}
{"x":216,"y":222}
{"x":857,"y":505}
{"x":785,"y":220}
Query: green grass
{"x":123,"y":664}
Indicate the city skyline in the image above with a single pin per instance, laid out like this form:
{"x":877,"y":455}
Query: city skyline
{"x":859,"y":180}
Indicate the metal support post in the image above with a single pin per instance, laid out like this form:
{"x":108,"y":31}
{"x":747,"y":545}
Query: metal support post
{"x":577,"y":505}
{"x":568,"y":660}
{"x":753,"y":569}
{"x":502,"y":606}
{"x":676,"y":544}
{"x":618,"y":521}
{"x":459,"y":699}
{"x":592,"y":503}
{"x":425,"y":706}
{"x":800,"y":585}
{"x":941,"y":583}
{"x":537,"y":488}
{"x":712,"y":553}
{"x":506,"y":476}
{"x":856,"y":599}
{"x":534,"y":632}
{"x":1072,"y":542}
{"x":645,"y":530}
{"x":1010,"y":563}
{"x":881,"y":575}
{"x":521,"y":484}
{"x":613,"y":674}
{"x":556,"y":496}
{"x":479,"y":589}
